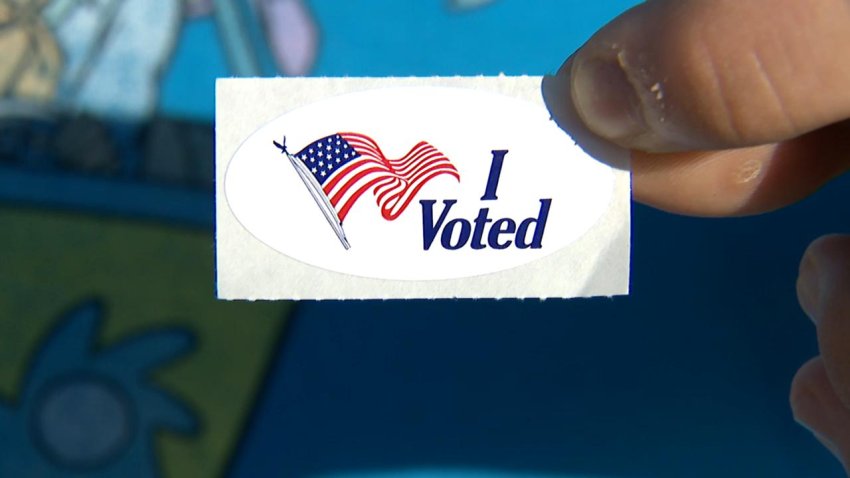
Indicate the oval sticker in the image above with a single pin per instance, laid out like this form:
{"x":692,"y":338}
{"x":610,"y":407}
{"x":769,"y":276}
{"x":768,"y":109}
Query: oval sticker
{"x":416,"y":183}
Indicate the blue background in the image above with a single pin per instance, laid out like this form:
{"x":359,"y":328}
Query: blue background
{"x":689,"y":376}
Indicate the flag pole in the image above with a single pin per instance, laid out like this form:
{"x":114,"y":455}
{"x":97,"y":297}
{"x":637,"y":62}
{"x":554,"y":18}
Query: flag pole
{"x":316,"y":192}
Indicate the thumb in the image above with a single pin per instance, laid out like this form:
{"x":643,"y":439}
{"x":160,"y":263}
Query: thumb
{"x":674,"y":75}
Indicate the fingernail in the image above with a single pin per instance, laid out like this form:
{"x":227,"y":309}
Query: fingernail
{"x":808,"y":280}
{"x":605,"y":99}
{"x":556,"y":92}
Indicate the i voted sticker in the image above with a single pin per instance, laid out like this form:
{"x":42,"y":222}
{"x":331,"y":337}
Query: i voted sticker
{"x":401,"y":187}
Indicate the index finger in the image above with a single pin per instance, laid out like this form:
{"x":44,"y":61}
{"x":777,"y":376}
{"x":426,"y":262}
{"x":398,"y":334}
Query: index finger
{"x":745,"y":177}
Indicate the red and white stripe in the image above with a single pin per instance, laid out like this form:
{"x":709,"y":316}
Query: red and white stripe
{"x":394,"y":182}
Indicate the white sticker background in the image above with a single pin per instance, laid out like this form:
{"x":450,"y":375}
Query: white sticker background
{"x":269,"y":199}
{"x":274,"y":243}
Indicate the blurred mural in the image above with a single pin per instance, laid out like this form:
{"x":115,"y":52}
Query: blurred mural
{"x":117,"y":361}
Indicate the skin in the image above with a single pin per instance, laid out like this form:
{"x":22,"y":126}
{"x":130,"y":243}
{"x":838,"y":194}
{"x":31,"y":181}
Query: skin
{"x":734,"y":108}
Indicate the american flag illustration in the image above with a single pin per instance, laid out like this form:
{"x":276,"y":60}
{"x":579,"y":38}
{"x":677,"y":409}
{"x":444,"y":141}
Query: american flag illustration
{"x":347,"y":165}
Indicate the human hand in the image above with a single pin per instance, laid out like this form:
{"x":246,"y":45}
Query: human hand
{"x":732,"y":108}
